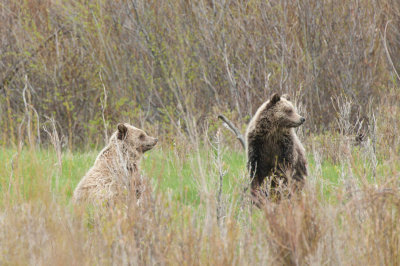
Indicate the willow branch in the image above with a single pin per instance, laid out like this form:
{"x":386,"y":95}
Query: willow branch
{"x":234,"y":129}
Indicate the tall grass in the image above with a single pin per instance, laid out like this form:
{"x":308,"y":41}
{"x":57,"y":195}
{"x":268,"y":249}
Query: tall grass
{"x":347,"y":213}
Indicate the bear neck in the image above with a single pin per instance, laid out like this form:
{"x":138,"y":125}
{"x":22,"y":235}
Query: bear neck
{"x":129,"y":156}
{"x":270,"y":129}
{"x":274,"y":134}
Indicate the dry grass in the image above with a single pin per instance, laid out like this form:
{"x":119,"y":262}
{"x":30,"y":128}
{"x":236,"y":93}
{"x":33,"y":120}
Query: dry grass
{"x":347,"y":214}
{"x":358,"y":228}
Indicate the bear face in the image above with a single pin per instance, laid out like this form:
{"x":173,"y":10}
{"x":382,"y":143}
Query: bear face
{"x":274,"y":116}
{"x":135,"y":139}
{"x":281,"y":113}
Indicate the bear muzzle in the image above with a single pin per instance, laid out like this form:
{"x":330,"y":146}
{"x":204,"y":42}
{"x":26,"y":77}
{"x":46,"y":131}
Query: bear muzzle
{"x":148,"y":146}
{"x":298,"y":122}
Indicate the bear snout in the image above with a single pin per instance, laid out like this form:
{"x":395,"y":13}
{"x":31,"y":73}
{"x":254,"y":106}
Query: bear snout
{"x":152,"y":143}
{"x":302,"y":120}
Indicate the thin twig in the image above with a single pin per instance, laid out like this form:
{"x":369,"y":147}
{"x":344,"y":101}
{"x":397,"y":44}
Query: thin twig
{"x":27,"y":113}
{"x":103,"y":108}
{"x":56,"y":142}
{"x":221,"y":172}
{"x":387,"y":51}
{"x":234,"y":129}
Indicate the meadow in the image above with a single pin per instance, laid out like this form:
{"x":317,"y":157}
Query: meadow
{"x":347,"y":213}
{"x":71,"y":70}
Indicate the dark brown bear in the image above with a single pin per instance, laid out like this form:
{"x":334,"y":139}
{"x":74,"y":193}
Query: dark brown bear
{"x":273,"y":148}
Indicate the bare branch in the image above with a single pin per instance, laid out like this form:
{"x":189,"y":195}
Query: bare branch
{"x":387,"y":52}
{"x":234,"y":129}
{"x":11,"y":73}
{"x":103,"y":108}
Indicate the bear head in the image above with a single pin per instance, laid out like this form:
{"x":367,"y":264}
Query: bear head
{"x":135,"y":139}
{"x":281,"y":112}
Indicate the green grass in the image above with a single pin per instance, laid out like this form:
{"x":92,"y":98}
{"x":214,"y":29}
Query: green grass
{"x":180,"y":223}
{"x":173,"y":174}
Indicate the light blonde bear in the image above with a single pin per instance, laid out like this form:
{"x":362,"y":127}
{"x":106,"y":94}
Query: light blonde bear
{"x":115,"y":172}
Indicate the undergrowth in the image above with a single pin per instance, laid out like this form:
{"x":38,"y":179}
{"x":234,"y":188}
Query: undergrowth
{"x":344,"y":215}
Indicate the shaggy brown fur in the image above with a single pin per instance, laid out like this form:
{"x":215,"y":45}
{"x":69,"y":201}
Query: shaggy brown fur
{"x":273,"y":148}
{"x":115,"y":171}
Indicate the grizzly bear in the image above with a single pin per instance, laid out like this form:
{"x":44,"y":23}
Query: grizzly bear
{"x":116,"y":170}
{"x":273,"y":148}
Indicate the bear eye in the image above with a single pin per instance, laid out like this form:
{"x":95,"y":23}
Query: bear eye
{"x":289,"y":111}
{"x":142,"y":137}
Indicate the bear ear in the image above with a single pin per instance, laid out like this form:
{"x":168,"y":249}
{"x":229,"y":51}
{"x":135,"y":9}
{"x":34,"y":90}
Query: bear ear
{"x":275,"y":98}
{"x":122,"y":130}
{"x":286,"y":96}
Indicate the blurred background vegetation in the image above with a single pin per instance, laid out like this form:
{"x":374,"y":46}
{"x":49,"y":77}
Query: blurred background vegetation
{"x":171,"y":66}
